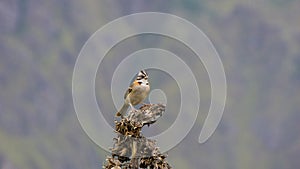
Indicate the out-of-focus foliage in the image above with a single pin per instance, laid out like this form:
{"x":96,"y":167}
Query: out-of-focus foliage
{"x":258,"y":42}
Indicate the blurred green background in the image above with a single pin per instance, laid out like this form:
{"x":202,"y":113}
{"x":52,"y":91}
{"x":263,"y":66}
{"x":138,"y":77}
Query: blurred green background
{"x":258,"y":42}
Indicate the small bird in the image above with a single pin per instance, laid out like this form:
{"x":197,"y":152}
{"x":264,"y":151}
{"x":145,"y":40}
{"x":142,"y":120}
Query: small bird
{"x":136,"y":93}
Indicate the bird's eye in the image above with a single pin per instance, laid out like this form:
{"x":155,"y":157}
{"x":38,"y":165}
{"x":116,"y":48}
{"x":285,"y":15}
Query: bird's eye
{"x":147,"y":83}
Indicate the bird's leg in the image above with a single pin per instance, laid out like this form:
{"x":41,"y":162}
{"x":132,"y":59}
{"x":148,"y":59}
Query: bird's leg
{"x":132,"y":108}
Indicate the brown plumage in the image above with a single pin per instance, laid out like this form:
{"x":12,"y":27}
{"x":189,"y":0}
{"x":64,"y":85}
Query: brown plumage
{"x":136,"y":93}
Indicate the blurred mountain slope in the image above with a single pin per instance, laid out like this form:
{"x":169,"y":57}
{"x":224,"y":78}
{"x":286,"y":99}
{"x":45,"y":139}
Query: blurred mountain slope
{"x":258,"y":42}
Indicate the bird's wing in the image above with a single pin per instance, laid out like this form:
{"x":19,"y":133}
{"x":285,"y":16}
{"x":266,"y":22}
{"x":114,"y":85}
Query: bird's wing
{"x":129,"y":90}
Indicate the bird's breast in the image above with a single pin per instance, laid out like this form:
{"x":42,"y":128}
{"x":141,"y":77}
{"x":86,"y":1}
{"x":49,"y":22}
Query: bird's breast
{"x":138,"y":94}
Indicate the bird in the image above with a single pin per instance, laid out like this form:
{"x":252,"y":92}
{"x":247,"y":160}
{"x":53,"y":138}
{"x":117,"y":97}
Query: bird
{"x":136,"y":93}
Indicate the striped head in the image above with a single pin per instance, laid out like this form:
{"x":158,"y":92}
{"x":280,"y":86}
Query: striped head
{"x":142,"y":78}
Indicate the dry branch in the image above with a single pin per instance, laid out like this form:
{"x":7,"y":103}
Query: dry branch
{"x":131,"y":149}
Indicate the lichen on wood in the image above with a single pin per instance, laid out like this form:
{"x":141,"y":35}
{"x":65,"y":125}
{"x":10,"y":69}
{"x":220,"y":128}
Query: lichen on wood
{"x":131,"y":149}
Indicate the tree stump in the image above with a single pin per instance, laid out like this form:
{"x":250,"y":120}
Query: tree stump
{"x":131,"y":149}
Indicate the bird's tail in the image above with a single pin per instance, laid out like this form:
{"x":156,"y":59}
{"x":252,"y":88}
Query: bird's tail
{"x":123,"y":110}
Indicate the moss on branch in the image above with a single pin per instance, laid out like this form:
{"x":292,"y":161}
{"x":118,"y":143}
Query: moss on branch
{"x":131,"y":149}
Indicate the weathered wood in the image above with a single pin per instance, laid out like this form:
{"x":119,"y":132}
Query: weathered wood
{"x":131,"y":149}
